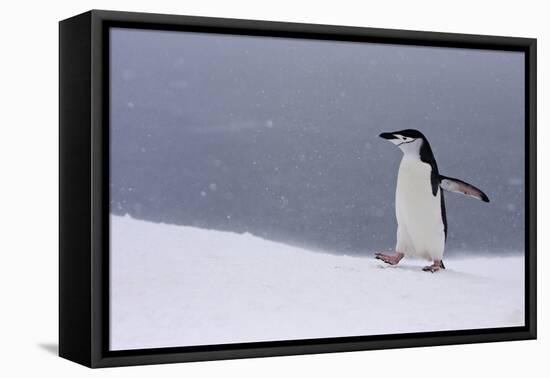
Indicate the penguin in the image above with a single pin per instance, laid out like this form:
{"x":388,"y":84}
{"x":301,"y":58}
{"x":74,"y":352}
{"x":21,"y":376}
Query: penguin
{"x":419,"y":201}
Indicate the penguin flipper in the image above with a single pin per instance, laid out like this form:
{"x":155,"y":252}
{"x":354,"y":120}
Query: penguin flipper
{"x":458,"y":186}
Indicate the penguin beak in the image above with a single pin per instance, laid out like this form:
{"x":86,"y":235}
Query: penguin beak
{"x":388,"y":136}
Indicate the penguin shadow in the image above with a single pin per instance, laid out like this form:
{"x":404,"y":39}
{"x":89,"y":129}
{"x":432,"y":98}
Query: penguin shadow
{"x":403,"y":267}
{"x":448,"y":272}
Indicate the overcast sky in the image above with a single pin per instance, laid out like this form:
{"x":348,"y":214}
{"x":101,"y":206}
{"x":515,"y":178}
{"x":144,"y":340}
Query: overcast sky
{"x":278,"y":137}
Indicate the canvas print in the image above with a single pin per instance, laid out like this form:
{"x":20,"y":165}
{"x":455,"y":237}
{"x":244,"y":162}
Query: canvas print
{"x":266,"y":188}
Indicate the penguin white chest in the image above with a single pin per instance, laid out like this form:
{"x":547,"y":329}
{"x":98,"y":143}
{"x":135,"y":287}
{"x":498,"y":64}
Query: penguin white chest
{"x":420,"y":229}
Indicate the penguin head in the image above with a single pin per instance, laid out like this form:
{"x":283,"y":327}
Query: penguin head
{"x":409,"y":141}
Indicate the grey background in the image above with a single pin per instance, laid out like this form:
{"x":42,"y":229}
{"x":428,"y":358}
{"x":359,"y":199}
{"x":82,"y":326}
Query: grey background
{"x":278,"y":137}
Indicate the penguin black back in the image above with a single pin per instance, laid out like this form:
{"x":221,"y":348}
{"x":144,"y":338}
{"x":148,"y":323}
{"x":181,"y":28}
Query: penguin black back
{"x":427,"y":156}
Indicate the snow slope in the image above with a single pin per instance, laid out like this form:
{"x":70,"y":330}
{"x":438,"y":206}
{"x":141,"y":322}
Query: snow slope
{"x":178,"y":286}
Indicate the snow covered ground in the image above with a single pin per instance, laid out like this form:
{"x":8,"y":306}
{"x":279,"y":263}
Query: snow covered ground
{"x":178,"y":286}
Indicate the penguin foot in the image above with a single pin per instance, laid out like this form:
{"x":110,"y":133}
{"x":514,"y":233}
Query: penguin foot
{"x":431,"y":268}
{"x":389,"y":259}
{"x":436,"y":266}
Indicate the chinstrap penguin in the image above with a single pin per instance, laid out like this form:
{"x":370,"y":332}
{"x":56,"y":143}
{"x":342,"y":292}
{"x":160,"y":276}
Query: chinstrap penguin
{"x":419,"y":201}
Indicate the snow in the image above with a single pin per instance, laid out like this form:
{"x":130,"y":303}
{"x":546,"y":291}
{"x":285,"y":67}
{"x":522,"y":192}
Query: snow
{"x":179,"y":286}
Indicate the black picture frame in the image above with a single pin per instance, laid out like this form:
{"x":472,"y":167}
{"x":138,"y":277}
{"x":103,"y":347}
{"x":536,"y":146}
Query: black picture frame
{"x":84,"y":191}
